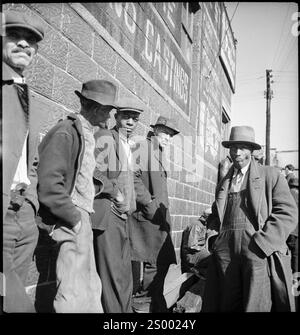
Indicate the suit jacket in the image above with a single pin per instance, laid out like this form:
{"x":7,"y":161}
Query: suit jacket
{"x":290,"y":176}
{"x":13,"y":137}
{"x":276,"y":217}
{"x":150,"y":225}
{"x":61,"y":152}
{"x":108,"y":167}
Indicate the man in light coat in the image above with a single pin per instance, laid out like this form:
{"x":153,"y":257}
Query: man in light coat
{"x":253,"y":215}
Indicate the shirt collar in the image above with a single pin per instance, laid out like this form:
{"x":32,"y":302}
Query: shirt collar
{"x":243,"y":170}
{"x":8,"y":73}
{"x":85,"y":123}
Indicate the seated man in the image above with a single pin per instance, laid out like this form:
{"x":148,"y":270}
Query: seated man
{"x":194,"y":258}
{"x":194,"y":251}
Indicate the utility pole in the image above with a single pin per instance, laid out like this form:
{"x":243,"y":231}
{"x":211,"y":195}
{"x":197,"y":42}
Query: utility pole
{"x":268,"y":96}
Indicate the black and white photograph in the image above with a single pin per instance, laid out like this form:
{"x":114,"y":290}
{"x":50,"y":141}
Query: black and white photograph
{"x":150,"y":165}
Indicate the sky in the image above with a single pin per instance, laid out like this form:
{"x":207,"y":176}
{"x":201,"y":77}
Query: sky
{"x":266,"y":36}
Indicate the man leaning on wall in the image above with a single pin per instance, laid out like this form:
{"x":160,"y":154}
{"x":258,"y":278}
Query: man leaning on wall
{"x":150,"y":225}
{"x":21,"y":35}
{"x":114,"y":202}
{"x":66,"y":194}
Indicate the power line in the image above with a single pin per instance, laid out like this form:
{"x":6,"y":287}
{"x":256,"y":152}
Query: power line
{"x":279,"y":41}
{"x":283,"y":71}
{"x":287,"y":45}
{"x":289,"y":54}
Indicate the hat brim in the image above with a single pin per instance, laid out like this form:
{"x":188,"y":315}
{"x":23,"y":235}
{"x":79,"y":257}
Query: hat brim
{"x":228,"y":144}
{"x":38,"y":35}
{"x":175,"y":132}
{"x":129,"y":109}
{"x":101,"y":102}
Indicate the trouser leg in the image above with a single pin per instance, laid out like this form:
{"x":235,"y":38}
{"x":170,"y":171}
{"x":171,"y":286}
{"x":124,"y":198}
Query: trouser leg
{"x":20,"y":235}
{"x":136,"y":276}
{"x":113,"y":261}
{"x":156,"y":286}
{"x":78,"y":284}
{"x":256,"y":278}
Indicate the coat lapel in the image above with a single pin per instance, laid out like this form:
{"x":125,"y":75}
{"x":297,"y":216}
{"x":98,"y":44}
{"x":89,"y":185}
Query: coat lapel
{"x":115,"y":135}
{"x":222,"y":194}
{"x":156,"y":153}
{"x":255,"y":187}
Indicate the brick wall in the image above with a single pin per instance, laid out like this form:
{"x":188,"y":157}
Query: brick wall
{"x":74,"y":51}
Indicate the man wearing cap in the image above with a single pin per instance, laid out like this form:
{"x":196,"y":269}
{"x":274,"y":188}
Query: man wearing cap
{"x":21,"y":35}
{"x":66,"y":193}
{"x":114,"y":202}
{"x":150,"y":235}
{"x":253,"y":215}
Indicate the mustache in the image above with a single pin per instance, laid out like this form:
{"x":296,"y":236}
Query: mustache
{"x":19,"y":49}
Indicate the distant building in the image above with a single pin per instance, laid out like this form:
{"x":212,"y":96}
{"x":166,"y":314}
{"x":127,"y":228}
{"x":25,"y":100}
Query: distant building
{"x":285,"y":157}
{"x":280,"y":158}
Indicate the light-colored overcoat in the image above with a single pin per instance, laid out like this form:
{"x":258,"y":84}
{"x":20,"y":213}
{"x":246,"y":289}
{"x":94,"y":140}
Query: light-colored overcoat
{"x":276,"y":217}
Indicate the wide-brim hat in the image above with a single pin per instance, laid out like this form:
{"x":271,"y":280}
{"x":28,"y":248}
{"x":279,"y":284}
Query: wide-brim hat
{"x":242,"y":135}
{"x":126,"y":104}
{"x":103,"y":92}
{"x":166,"y":122}
{"x":16,"y":19}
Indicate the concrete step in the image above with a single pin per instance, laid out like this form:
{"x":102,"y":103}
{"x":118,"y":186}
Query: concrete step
{"x":175,"y":283}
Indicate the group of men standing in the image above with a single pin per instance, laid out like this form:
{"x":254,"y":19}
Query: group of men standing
{"x":84,"y":185}
{"x":109,"y":212}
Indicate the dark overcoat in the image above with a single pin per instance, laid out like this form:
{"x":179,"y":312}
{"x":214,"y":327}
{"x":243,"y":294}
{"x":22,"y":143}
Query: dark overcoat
{"x":105,"y":176}
{"x":150,"y":226}
{"x":14,"y":130}
{"x":276,"y":216}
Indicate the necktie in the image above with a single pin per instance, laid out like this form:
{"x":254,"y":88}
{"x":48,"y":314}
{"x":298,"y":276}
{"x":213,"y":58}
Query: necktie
{"x":236,"y":181}
{"x":23,"y":96}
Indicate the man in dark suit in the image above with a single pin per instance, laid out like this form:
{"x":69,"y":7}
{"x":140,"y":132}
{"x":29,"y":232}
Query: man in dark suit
{"x":114,"y":201}
{"x":20,"y":205}
{"x":150,"y":225}
{"x":253,"y":215}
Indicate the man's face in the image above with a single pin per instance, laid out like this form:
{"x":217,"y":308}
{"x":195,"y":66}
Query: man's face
{"x":19,"y":47}
{"x":287,"y":171}
{"x":240,"y":155}
{"x":163,"y":136}
{"x":99,"y":114}
{"x":127,"y":121}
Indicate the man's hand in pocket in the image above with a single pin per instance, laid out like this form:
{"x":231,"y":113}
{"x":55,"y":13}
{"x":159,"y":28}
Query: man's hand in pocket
{"x":77,"y":227}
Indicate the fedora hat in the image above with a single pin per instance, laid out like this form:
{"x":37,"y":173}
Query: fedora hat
{"x":241,"y":135}
{"x":103,"y":92}
{"x":165,"y":122}
{"x":16,"y":19}
{"x":129,"y":105}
